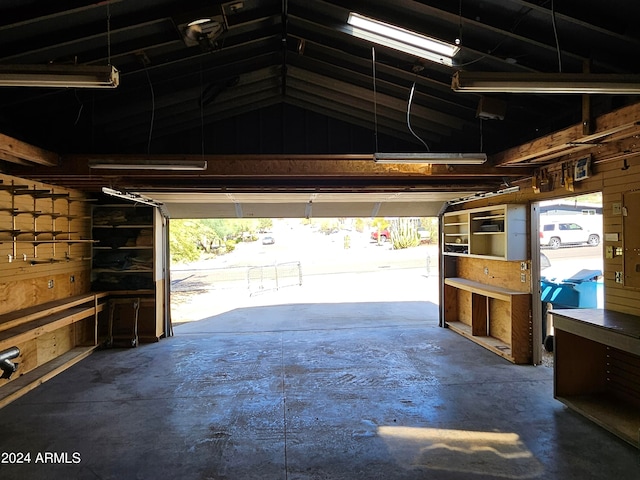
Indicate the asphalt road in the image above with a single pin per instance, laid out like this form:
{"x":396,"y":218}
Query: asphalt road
{"x":568,"y":260}
{"x":318,"y":254}
{"x":323,"y":258}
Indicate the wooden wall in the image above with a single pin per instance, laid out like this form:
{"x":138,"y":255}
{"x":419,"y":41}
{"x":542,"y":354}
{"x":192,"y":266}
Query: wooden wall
{"x":32,"y":273}
{"x":616,"y":183}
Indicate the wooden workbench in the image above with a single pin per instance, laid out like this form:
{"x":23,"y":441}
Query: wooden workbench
{"x":597,"y":367}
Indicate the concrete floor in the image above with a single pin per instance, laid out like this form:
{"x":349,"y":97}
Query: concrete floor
{"x":307,"y":391}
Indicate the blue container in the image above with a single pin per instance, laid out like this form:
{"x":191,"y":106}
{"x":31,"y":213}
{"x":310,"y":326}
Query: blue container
{"x":581,"y":290}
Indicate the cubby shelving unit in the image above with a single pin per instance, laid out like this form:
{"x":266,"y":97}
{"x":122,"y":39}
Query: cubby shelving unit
{"x":497,"y":232}
{"x":484,"y":311}
{"x":125,"y":263}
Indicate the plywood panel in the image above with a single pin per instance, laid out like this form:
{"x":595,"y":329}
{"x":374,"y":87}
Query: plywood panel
{"x":450,"y":304}
{"x":579,"y":364}
{"x":500,"y":320}
{"x":521,"y":329}
{"x":21,"y":282}
{"x":54,"y":344}
{"x":464,"y":307}
{"x":14,"y":296}
{"x":85,"y":332}
{"x":28,"y":359}
{"x":479,"y":314}
{"x":499,"y":273}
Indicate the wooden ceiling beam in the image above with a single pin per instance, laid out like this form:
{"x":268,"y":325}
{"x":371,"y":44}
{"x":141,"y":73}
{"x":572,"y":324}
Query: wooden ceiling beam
{"x":16,"y":151}
{"x":612,"y":126}
{"x":285,"y":166}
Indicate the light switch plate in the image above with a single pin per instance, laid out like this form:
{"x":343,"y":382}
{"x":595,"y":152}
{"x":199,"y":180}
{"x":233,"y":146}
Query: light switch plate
{"x":616,"y":208}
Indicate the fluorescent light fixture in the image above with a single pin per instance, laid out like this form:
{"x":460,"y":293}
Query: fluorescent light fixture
{"x":432,"y":158}
{"x":59,"y":76}
{"x":133,"y":197}
{"x":566,"y":83}
{"x":401,"y":39}
{"x":200,"y":21}
{"x":113,"y":164}
{"x":478,"y":196}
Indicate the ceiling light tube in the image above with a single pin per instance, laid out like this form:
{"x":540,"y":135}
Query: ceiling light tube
{"x":401,"y":39}
{"x":562,"y":83}
{"x":132,"y":197}
{"x":432,"y":158}
{"x":109,"y":164}
{"x":59,"y":76}
{"x":478,"y":196}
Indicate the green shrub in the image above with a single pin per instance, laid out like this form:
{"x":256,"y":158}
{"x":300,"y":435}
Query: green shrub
{"x":230,"y":245}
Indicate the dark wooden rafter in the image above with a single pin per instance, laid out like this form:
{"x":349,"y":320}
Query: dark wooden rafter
{"x":16,"y":151}
{"x":610,"y":128}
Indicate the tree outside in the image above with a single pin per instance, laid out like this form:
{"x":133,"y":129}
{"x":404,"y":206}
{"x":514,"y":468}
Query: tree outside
{"x":194,"y":239}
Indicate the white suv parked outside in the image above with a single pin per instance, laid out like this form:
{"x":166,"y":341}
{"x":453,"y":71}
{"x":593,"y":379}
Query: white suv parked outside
{"x":557,"y":233}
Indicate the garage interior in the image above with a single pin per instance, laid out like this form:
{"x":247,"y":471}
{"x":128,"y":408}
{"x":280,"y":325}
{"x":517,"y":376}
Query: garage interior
{"x":268,"y":108}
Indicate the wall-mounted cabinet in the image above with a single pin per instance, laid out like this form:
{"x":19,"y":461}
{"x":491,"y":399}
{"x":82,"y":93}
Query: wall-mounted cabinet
{"x":497,"y":232}
{"x":126,"y":262}
{"x":455,"y":236}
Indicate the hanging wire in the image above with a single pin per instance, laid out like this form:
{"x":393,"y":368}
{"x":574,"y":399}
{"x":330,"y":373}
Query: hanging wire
{"x":555,"y":33}
{"x":375,"y":98}
{"x":75,"y":92}
{"x":413,"y":88}
{"x":108,"y":32}
{"x":459,"y":39}
{"x":201,"y":113}
{"x":153,"y":109}
{"x":522,"y":15}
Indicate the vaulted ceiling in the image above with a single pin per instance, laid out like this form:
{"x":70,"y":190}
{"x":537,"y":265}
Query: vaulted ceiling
{"x":285,"y":78}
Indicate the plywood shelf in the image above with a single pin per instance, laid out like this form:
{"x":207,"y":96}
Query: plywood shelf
{"x":126,"y":237}
{"x":495,"y":317}
{"x":31,"y":380}
{"x":496,"y":232}
{"x":57,"y":227}
{"x":123,"y":225}
{"x":489,"y":217}
{"x":495,"y":345}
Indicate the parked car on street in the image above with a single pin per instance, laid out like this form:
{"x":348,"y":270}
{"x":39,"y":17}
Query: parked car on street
{"x":557,"y":233}
{"x":268,"y":241}
{"x":384,"y":235}
{"x":424,"y":235}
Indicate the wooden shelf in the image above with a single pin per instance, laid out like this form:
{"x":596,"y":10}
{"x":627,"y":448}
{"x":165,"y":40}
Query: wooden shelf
{"x":27,"y":382}
{"x":118,"y":228}
{"x":495,"y":232}
{"x":39,"y":231}
{"x":496,"y":318}
{"x":490,"y":217}
{"x":490,"y":343}
{"x":107,"y":249}
{"x":123,"y":225}
{"x":123,"y":271}
{"x":623,"y":420}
